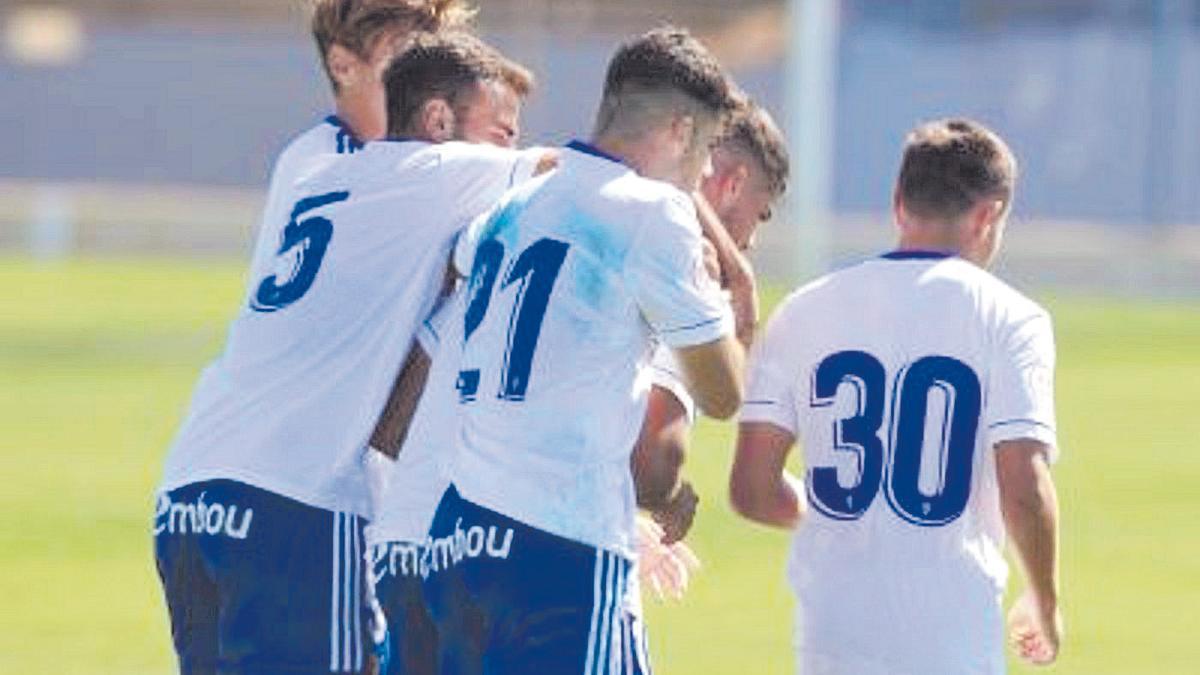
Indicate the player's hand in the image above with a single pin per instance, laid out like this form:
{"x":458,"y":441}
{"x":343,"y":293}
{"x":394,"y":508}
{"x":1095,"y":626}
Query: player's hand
{"x":677,"y":518}
{"x":743,"y":296}
{"x":1035,"y":630}
{"x":665,"y":568}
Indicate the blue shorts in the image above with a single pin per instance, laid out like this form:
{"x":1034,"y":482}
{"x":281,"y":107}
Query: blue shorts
{"x":259,"y":583}
{"x":510,"y":599}
{"x":408,"y":643}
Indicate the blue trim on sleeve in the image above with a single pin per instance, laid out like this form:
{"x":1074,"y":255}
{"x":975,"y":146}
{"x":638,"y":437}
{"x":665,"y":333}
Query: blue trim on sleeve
{"x":761,"y":402}
{"x":589,"y":149}
{"x":1020,"y":420}
{"x":917,"y":255}
{"x":702,"y":324}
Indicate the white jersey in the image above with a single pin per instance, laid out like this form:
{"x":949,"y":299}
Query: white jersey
{"x":572,"y":278}
{"x":898,"y":377}
{"x":361,"y":253}
{"x":305,"y":154}
{"x":417,"y":478}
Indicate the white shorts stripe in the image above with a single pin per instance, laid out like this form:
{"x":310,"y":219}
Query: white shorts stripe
{"x":334,"y":637}
{"x":591,"y":646}
{"x":610,"y":582}
{"x":643,"y":658}
{"x":347,"y":575}
{"x":618,"y":613}
{"x":357,"y":595}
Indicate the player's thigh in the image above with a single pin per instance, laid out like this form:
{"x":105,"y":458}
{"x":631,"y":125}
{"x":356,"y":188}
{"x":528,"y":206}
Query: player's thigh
{"x":190,"y":593}
{"x":292,"y":583}
{"x":406,"y":642}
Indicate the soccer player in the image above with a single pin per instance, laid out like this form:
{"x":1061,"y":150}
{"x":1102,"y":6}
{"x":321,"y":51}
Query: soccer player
{"x":921,"y":389}
{"x":355,"y":40}
{"x":750,"y":173}
{"x":258,"y":525}
{"x":570,"y":279}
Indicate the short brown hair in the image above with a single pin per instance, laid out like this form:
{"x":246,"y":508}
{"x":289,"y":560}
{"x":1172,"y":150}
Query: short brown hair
{"x":950,"y":165}
{"x":668,"y":59}
{"x":752,"y":132}
{"x":358,"y":25}
{"x":447,"y":66}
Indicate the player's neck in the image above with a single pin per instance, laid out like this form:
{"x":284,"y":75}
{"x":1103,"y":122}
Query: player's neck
{"x":360,"y":118}
{"x":930,"y":238}
{"x":639,"y":155}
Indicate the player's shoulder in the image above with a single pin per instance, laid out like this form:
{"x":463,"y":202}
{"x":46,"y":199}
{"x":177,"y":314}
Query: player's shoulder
{"x":994,"y":295}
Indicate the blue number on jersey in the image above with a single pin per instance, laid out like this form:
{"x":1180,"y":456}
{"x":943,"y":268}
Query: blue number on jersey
{"x":860,"y":434}
{"x":535,"y":272}
{"x":306,"y":242}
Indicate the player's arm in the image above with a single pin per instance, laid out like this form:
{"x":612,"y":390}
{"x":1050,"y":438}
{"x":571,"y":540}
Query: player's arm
{"x":686,"y":307}
{"x":1021,"y":424}
{"x":737,"y":274}
{"x":392,"y":427}
{"x":657,"y":465}
{"x":1029,"y":504}
{"x":713,"y":372}
{"x":760,"y":486}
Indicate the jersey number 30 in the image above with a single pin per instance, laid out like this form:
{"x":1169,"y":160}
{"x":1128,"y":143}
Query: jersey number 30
{"x":303,"y":249}
{"x":534,"y":272}
{"x":898,"y":472}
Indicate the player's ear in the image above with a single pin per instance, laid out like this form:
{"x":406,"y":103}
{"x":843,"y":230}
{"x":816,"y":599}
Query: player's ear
{"x":437,"y":120}
{"x":737,"y":178}
{"x":344,"y":66}
{"x":683,"y":128}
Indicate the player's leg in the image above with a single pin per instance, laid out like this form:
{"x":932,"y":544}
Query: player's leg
{"x":191,"y":595}
{"x":292,"y":583}
{"x":407,"y":641}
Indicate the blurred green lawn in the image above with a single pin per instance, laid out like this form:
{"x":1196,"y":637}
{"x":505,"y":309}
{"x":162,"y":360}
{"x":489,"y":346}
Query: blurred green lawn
{"x":97,"y":360}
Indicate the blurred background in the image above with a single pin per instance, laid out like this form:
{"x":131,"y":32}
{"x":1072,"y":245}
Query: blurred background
{"x":136,"y":138}
{"x":113,"y":113}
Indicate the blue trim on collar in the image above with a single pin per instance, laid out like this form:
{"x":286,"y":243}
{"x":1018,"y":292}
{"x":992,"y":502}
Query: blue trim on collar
{"x":917,"y":255}
{"x":589,"y":149}
{"x":348,"y":142}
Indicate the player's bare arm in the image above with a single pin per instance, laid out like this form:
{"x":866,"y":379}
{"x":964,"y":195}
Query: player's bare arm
{"x":760,"y":487}
{"x":657,"y":466}
{"x":1030,"y":506}
{"x":392,"y":428}
{"x":714,"y":374}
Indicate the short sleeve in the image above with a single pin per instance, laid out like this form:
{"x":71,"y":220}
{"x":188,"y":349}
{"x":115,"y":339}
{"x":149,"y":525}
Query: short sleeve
{"x":770,"y":385}
{"x":666,"y":274}
{"x":666,"y":373}
{"x":1020,"y":397}
{"x":481,"y":174}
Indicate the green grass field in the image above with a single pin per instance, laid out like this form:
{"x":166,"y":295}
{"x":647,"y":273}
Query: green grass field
{"x":97,"y":360}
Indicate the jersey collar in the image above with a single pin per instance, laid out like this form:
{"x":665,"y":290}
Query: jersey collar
{"x":917,"y":255}
{"x":347,"y":141}
{"x":589,"y":149}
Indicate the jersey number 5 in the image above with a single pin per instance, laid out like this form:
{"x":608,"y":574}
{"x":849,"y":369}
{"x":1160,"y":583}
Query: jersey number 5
{"x":534,"y":272}
{"x":303,"y":249}
{"x":898,"y":472}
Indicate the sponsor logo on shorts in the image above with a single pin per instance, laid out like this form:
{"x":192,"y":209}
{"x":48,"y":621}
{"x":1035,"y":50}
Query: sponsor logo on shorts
{"x":200,"y":517}
{"x":406,"y":559}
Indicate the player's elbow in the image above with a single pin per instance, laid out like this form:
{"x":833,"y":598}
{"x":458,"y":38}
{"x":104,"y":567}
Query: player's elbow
{"x":723,"y":402}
